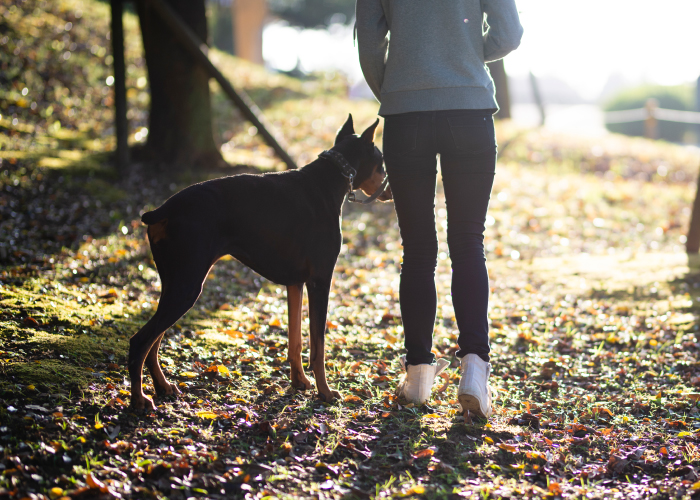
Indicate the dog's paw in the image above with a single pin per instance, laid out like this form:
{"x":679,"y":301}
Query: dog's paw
{"x":302,"y":384}
{"x":330,"y":396}
{"x":142,"y":404}
{"x":167,"y":390}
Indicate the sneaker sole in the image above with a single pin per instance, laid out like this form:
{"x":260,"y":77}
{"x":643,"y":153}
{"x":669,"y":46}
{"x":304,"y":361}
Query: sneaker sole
{"x":470,"y":403}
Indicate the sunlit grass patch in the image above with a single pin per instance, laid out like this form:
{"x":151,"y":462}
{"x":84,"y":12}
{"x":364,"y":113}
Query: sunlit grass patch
{"x":48,"y":374}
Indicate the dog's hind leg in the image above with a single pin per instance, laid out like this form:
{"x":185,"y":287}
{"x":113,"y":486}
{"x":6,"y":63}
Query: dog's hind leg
{"x":160,"y":383}
{"x":295,"y":293}
{"x":174,"y":302}
{"x":139,"y":346}
{"x":318,"y":310}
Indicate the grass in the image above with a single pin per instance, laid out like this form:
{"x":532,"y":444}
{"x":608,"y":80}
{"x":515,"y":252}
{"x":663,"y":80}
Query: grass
{"x":594,"y":320}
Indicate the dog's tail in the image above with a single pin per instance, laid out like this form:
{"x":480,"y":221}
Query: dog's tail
{"x":154,"y":215}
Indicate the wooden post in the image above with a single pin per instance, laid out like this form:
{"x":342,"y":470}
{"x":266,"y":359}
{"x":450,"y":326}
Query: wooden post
{"x":120,"y":120}
{"x":692,"y":243}
{"x":538,"y":98}
{"x":651,"y":124}
{"x":697,"y":108}
{"x":196,"y":48}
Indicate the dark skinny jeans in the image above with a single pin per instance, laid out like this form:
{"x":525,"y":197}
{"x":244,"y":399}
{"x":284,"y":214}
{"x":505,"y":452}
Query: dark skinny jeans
{"x":466,"y":143}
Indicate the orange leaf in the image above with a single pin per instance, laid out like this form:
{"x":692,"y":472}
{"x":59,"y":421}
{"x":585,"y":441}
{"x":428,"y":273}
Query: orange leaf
{"x":424,"y":453}
{"x":29,"y":321}
{"x":507,"y":447}
{"x":94,"y":483}
{"x":664,"y":451}
{"x":597,"y":411}
{"x":555,"y":488}
{"x":380,"y":379}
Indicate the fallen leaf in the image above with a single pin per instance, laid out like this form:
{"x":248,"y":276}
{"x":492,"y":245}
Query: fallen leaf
{"x":555,"y":489}
{"x":507,"y":447}
{"x":424,"y":453}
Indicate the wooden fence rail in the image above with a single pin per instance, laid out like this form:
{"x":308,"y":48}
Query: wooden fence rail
{"x":650,"y":114}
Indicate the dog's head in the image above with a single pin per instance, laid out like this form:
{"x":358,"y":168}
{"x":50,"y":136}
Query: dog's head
{"x":370,"y":172}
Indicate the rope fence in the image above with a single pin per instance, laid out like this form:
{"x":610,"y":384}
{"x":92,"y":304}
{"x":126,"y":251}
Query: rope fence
{"x":642,"y":114}
{"x":650,"y":114}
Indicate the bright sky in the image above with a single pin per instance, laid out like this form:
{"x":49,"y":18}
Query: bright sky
{"x":582,"y":43}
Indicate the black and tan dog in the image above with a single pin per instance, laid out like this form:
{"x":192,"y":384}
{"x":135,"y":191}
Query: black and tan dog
{"x":285,"y":226}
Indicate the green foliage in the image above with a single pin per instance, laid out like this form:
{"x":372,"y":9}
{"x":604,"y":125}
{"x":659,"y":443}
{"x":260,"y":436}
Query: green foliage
{"x":312,"y":13}
{"x":676,"y":97}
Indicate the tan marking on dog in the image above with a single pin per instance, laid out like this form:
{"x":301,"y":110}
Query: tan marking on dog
{"x":156,"y":232}
{"x":318,"y":365}
{"x":295,"y":294}
{"x":373,"y":183}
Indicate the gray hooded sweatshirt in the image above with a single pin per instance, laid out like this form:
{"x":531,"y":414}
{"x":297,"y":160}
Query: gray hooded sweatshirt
{"x":430,"y":55}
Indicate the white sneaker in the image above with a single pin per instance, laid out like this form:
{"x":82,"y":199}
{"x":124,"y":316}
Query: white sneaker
{"x":418,"y":381}
{"x":474,"y":393}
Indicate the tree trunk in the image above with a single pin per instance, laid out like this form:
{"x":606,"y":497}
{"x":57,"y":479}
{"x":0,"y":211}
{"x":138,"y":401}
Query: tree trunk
{"x":180,"y":123}
{"x":692,"y":243}
{"x":120,"y":120}
{"x":500,"y":80}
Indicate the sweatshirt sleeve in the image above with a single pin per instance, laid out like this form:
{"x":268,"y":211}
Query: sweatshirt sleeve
{"x":372,"y":42}
{"x":504,"y":31}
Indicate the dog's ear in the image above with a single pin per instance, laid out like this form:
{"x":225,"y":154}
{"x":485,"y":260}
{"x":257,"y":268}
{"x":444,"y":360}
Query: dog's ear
{"x":368,"y":135}
{"x":346,"y":130}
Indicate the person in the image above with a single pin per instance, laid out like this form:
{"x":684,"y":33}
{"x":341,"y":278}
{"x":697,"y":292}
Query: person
{"x":425,"y":62}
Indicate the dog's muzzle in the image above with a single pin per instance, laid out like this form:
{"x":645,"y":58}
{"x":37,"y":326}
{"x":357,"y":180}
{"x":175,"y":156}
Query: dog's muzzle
{"x":349,"y":173}
{"x":375,"y":195}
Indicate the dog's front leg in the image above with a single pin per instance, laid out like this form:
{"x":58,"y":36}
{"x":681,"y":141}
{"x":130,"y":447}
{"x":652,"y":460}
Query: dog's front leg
{"x":295,"y":294}
{"x":318,"y":310}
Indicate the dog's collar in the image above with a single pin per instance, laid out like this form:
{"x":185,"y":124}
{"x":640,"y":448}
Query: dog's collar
{"x":349,"y":173}
{"x":341,"y":162}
